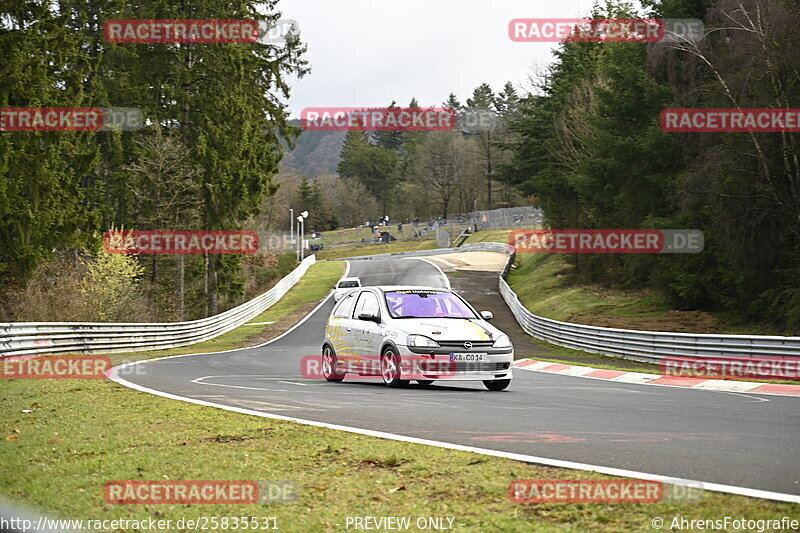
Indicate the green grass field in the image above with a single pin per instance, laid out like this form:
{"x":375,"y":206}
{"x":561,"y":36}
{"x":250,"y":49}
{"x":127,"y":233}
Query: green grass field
{"x":374,"y":249}
{"x":540,"y":281}
{"x":352,"y":236}
{"x":81,"y":434}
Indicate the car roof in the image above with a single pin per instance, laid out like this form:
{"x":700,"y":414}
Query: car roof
{"x":351,"y":279}
{"x":389,"y":288}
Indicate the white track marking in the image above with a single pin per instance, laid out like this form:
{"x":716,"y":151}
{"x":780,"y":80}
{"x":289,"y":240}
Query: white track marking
{"x":437,"y":267}
{"x":166,"y":359}
{"x":715,"y":487}
{"x":745,"y":395}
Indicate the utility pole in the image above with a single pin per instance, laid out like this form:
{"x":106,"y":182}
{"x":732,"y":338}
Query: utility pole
{"x":489,"y":170}
{"x":300,"y":234}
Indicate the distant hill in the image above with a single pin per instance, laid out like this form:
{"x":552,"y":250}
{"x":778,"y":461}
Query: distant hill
{"x":316,"y":153}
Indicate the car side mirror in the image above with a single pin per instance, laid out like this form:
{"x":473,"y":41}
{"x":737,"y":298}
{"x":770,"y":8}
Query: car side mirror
{"x":487,"y":315}
{"x":370,"y":317}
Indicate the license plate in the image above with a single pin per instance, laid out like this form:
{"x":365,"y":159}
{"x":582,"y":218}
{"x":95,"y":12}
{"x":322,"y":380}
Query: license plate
{"x":467,"y":357}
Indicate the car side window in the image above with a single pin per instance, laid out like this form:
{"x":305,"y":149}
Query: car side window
{"x":367,"y":303}
{"x":345,"y":307}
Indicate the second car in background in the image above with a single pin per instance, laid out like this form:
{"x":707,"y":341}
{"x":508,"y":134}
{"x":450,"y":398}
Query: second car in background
{"x":344,"y":286}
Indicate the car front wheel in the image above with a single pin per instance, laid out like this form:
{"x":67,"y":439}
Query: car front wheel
{"x":497,"y":384}
{"x":390,"y":369}
{"x":329,"y":365}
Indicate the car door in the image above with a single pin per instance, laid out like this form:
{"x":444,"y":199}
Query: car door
{"x":366,"y":333}
{"x":340,"y":328}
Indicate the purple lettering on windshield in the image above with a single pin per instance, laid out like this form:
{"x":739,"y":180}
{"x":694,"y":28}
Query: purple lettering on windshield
{"x":427,"y":304}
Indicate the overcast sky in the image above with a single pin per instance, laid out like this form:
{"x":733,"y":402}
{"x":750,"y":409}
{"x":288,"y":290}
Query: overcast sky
{"x":369,"y":52}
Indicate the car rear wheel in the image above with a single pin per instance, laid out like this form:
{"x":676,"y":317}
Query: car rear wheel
{"x":390,"y":369}
{"x":329,"y":365}
{"x":497,"y":384}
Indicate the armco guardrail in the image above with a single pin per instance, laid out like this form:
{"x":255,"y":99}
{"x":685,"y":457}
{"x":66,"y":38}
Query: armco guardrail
{"x":34,"y":338}
{"x":649,"y":346}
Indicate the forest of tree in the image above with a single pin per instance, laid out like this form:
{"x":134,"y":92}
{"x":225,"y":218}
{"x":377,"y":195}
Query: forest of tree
{"x":587,"y":144}
{"x":215,"y":120}
{"x":437,"y":174}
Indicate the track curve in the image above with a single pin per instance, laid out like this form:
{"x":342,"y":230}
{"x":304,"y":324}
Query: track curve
{"x":742,"y":443}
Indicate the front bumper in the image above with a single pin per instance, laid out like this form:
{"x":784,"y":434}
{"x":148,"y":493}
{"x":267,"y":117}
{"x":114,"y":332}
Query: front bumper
{"x":434,"y":364}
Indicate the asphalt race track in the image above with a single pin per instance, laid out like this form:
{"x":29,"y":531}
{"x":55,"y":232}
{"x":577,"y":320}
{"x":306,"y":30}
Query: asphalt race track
{"x":742,"y":440}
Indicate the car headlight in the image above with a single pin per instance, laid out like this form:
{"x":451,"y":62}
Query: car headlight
{"x":502,"y":342}
{"x":421,"y":341}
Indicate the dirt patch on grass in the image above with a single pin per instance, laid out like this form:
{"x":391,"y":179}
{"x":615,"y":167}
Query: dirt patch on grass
{"x":678,"y":321}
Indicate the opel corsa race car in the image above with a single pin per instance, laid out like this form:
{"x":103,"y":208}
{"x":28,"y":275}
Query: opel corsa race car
{"x":420,"y":333}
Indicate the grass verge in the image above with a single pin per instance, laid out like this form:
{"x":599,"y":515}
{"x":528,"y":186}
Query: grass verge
{"x":544,"y":286}
{"x":375,"y":249}
{"x":80,"y":435}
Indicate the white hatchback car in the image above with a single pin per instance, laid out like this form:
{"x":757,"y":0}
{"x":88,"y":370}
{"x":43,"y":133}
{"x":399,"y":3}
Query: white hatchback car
{"x":421,"y":333}
{"x":344,"y":286}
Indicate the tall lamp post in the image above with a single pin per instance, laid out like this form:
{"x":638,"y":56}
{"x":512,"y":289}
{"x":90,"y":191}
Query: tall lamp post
{"x":300,"y":234}
{"x":291,"y":226}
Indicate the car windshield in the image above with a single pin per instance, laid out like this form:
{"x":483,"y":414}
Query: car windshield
{"x":348,"y":284}
{"x":420,"y":303}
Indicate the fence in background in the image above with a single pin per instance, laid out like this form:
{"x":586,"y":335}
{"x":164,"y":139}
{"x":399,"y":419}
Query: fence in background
{"x":503,"y":218}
